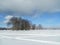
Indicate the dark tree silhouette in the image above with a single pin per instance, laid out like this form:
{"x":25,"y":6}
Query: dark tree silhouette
{"x":19,"y":23}
{"x":25,"y":25}
{"x":34,"y":26}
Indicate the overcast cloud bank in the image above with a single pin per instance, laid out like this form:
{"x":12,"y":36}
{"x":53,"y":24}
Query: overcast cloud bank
{"x":29,"y":6}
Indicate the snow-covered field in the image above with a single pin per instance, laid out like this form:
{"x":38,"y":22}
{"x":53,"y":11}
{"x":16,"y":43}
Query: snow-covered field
{"x":32,"y":37}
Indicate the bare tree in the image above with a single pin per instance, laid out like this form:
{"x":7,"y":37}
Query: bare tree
{"x":39,"y":26}
{"x":19,"y":23}
{"x":34,"y":26}
{"x":25,"y":24}
{"x":15,"y":22}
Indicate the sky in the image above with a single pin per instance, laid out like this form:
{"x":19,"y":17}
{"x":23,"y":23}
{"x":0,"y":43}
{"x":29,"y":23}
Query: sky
{"x":44,"y":12}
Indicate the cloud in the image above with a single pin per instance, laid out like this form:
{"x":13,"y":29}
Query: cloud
{"x":29,"y":6}
{"x":7,"y":18}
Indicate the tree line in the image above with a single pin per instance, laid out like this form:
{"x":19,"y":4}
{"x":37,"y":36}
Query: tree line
{"x":21,"y":24}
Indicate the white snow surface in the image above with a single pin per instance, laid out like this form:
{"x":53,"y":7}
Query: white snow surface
{"x":32,"y":37}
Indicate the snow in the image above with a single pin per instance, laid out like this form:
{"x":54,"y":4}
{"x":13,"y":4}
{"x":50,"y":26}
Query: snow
{"x":32,"y":37}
